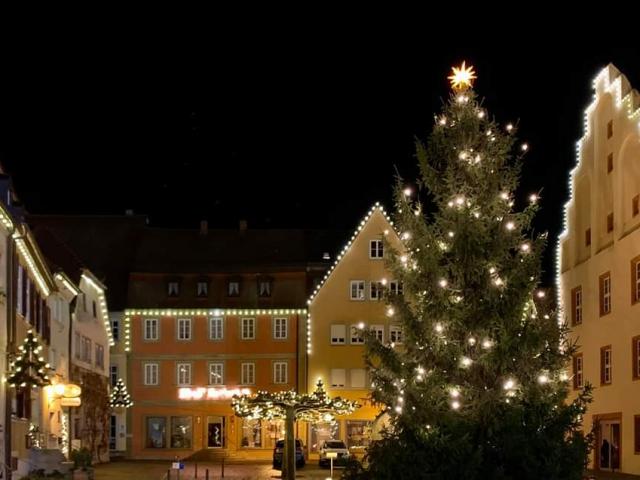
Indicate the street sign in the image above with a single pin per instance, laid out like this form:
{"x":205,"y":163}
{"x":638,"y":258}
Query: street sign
{"x":177,"y":466}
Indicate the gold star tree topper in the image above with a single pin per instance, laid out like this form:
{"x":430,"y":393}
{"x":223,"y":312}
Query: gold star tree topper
{"x":462,"y":78}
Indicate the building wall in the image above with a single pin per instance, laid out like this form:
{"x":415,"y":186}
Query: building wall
{"x":118,"y":360}
{"x":598,"y":191}
{"x":333,"y":305}
{"x":162,"y":400}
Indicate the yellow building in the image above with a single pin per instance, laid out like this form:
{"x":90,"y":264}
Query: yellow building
{"x":350,"y":297}
{"x":599,"y":270}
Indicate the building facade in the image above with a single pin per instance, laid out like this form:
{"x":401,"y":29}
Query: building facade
{"x":599,"y":270}
{"x":351,"y":298}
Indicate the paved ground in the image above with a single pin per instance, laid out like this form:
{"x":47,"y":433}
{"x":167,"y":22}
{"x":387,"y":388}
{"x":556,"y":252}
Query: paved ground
{"x":156,"y":470}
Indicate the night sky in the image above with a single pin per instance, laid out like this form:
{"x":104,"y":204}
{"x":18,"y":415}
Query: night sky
{"x":281,"y":136}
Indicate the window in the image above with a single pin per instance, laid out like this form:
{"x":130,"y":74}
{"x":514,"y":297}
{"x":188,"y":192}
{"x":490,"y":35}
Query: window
{"x":338,"y":334}
{"x":151,"y":329}
{"x":184,"y":329}
{"x":635,"y":206}
{"x":248,"y":373}
{"x":156,"y":432}
{"x":78,"y":344}
{"x":356,"y":336}
{"x":395,"y":287}
{"x":395,"y":334}
{"x":216,"y":373}
{"x":248,"y":328}
{"x":280,"y":328}
{"x":635,"y":280}
{"x":86,"y":350}
{"x":233,"y":288}
{"x":375,"y":290}
{"x":587,"y":237}
{"x":151,"y":374}
{"x":184,"y":373}
{"x":280,"y":372}
{"x":636,"y":433}
{"x":99,"y":356}
{"x":113,"y":431}
{"x":610,"y":163}
{"x":264,"y":288}
{"x":94,"y":309}
{"x":635,"y":355}
{"x":610,"y":223}
{"x":113,"y":375}
{"x":578,"y":380}
{"x":181,"y":432}
{"x":357,"y":289}
{"x":576,"y":306}
{"x":605,"y":293}
{"x":357,"y":377}
{"x":216,"y":328}
{"x":378,"y":330}
{"x":173,"y":289}
{"x":202,"y":289}
{"x":376,"y":249}
{"x":605,"y":365}
{"x":338,"y":377}
{"x":115,"y":329}
{"x":251,"y":433}
{"x":610,"y":129}
{"x":358,"y":433}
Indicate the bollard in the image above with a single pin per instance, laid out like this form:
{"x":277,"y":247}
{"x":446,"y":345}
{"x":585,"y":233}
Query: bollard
{"x":222,"y":468}
{"x":196,"y":470}
{"x":168,"y":474}
{"x":206,"y":474}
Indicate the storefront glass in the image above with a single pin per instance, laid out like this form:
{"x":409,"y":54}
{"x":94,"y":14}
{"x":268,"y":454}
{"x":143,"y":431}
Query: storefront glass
{"x":181,"y":432}
{"x":156,"y":432}
{"x":323,"y":431}
{"x":358,"y":433}
{"x":261,"y":433}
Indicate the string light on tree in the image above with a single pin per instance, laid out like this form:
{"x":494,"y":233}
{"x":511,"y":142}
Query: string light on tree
{"x":120,"y":397}
{"x":29,"y":369}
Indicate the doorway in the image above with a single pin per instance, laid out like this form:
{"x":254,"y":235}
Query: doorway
{"x":215,"y":432}
{"x":609,"y":451}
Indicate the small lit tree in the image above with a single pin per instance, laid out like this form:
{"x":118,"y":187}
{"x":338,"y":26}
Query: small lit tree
{"x":292,"y":406}
{"x":120,"y":397}
{"x":29,"y":369}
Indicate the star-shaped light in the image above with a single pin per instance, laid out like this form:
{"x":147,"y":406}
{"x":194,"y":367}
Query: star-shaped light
{"x":462,"y":78}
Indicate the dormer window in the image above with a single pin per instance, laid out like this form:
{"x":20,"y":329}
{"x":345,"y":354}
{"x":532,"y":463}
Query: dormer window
{"x":202,"y":289}
{"x":173,"y":288}
{"x":233,"y":288}
{"x":264,"y":287}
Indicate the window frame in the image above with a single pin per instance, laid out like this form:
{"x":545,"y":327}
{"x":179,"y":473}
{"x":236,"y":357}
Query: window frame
{"x":279,"y":329}
{"x":396,"y":329}
{"x":605,"y":294}
{"x":577,"y":307}
{"x":344,"y":376}
{"x":253,"y":328}
{"x":378,"y":330}
{"x":378,"y":288}
{"x":146,"y":374}
{"x":186,"y":321}
{"x":170,"y":292}
{"x":635,"y":357}
{"x":359,"y":340}
{"x":281,"y":365}
{"x":362,"y":291}
{"x":606,"y":368}
{"x":157,"y":329}
{"x":362,"y":371}
{"x":221,"y":374}
{"x":376,"y":249}
{"x":242,"y":373}
{"x":179,"y":366}
{"x":336,"y":340}
{"x":578,"y":373}
{"x":212,"y":329}
{"x":202,"y":293}
{"x":635,"y":280}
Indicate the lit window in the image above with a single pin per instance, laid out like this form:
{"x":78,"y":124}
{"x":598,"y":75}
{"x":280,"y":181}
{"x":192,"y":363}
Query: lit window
{"x":216,"y":373}
{"x":202,"y":289}
{"x":280,"y":328}
{"x":248,"y":374}
{"x":233,"y":288}
{"x":605,"y":294}
{"x":577,"y":371}
{"x":156,"y":432}
{"x":280,"y":372}
{"x":376,"y":249}
{"x":184,"y":329}
{"x":181,"y":432}
{"x":184,"y":374}
{"x":151,"y":374}
{"x":173,"y":289}
{"x":395,"y":334}
{"x":248,"y":328}
{"x":605,"y":365}
{"x":338,"y":334}
{"x":264,"y":288}
{"x":216,"y":328}
{"x":151,"y":329}
{"x":357,"y":290}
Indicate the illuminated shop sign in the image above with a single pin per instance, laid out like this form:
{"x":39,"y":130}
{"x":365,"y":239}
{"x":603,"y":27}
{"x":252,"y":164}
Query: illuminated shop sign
{"x":211,"y":393}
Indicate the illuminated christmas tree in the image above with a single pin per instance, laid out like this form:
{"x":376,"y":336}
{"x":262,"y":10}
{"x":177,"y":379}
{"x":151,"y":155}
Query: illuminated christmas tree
{"x":120,"y":398}
{"x":29,"y":369}
{"x":478,"y":387}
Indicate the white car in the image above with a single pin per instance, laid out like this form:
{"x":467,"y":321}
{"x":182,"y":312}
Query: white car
{"x":333,"y":446}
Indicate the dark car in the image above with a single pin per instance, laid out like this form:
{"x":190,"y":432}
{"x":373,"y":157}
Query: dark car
{"x":278,"y":453}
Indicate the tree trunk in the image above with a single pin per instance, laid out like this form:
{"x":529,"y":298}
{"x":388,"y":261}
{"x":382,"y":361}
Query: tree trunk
{"x":289,"y":455}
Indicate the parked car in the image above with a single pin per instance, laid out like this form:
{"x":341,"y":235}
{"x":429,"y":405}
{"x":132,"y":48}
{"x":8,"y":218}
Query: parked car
{"x":334,"y":446}
{"x":278,"y":454}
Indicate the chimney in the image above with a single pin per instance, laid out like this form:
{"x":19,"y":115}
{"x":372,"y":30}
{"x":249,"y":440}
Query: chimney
{"x":204,"y":227}
{"x":243,"y":225}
